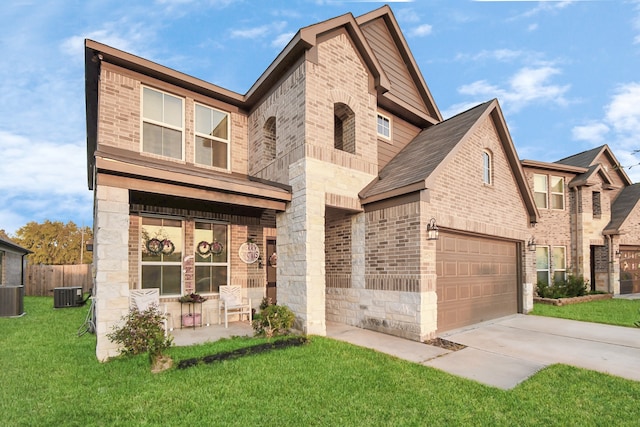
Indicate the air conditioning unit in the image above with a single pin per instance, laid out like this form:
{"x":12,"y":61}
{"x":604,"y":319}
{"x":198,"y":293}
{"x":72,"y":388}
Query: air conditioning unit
{"x":67,"y":297}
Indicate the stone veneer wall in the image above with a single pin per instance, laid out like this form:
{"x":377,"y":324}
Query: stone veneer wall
{"x":111,"y":262}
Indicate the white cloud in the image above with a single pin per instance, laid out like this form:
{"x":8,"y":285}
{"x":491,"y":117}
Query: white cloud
{"x":282,"y":40}
{"x":421,"y":30}
{"x":594,"y":132}
{"x":620,"y":125}
{"x":527,"y":86}
{"x":503,"y":55}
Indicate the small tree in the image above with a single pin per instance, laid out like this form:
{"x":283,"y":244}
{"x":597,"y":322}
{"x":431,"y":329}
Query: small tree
{"x":142,"y":332}
{"x":273,"y":320}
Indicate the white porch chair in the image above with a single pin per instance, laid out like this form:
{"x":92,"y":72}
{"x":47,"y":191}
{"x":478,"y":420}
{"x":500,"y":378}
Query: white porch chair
{"x":143,"y":298}
{"x":231,"y":302}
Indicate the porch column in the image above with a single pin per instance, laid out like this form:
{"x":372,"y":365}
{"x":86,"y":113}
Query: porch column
{"x":111,"y":263}
{"x":301,"y":264}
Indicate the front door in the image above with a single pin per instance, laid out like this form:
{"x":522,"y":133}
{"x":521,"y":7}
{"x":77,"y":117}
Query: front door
{"x":272,"y":263}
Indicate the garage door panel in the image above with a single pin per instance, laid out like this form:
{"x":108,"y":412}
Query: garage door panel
{"x":483,"y":284}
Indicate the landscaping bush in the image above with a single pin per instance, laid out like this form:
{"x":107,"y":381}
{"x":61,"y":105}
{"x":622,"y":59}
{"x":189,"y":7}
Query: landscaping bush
{"x":272,"y":320}
{"x":573,"y":286}
{"x":142,"y":332}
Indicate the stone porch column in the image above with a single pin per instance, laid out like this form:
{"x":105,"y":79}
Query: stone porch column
{"x":111,"y":263}
{"x":301,"y":264}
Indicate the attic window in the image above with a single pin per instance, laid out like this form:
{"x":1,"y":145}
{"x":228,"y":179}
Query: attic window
{"x":344,"y":130}
{"x":384,"y":126}
{"x":596,"y":204}
{"x":487,"y":168}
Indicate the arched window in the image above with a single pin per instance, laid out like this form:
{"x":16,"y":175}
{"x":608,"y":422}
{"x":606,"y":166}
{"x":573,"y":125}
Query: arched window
{"x":269,"y":133}
{"x":487,"y":168}
{"x":344,"y":129}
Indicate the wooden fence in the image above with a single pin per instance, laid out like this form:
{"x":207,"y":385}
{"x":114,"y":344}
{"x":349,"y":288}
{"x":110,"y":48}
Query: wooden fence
{"x":42,"y":279}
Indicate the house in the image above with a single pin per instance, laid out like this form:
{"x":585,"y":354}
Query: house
{"x":323,"y":187}
{"x":588,"y":223}
{"x":13,"y":262}
{"x":13,"y":265}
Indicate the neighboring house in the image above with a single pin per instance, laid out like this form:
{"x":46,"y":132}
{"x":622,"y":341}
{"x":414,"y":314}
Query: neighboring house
{"x":13,"y":262}
{"x":337,"y":160}
{"x":589,"y":225}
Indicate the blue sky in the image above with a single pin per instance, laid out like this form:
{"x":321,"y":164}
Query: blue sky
{"x":566,"y":73}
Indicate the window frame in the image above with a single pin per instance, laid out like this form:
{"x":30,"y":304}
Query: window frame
{"x":555,"y":193}
{"x":556,"y":266}
{"x":226,"y":263}
{"x":386,"y":119}
{"x":539,"y":248}
{"x":487,"y":167}
{"x":537,"y":191}
{"x":162,"y":124}
{"x":142,"y":263}
{"x":197,"y":134}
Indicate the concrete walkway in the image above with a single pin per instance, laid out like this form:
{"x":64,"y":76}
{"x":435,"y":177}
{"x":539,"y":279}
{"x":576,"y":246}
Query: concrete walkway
{"x":505,"y":352}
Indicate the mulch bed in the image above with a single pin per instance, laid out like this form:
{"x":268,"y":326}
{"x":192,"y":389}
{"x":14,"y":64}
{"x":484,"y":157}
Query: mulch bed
{"x":255,"y":349}
{"x":446,"y":344}
{"x":574,"y":300}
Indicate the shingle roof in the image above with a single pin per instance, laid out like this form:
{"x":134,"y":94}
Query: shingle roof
{"x":623,"y":206}
{"x":584,"y":159}
{"x":8,"y":243}
{"x":419,"y":159}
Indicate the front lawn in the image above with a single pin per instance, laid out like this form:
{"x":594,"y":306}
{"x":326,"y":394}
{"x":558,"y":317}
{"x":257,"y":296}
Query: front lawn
{"x":620,"y":312}
{"x":51,"y":377}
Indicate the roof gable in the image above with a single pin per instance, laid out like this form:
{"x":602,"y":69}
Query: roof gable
{"x":416,"y":167}
{"x":622,"y":207}
{"x":408,"y":90}
{"x":599,"y":155}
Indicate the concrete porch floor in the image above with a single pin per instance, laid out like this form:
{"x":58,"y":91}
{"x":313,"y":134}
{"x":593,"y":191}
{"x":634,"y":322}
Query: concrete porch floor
{"x":214,"y":332}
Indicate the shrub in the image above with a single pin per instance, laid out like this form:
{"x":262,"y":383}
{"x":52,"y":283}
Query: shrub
{"x":273,"y":320}
{"x":573,"y":286}
{"x":142,"y":332}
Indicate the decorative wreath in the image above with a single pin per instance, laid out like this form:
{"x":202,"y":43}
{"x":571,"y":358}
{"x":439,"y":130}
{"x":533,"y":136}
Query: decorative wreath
{"x":203,"y":248}
{"x":216,"y":248}
{"x":273,"y":260}
{"x":168,"y":247}
{"x":157,"y":246}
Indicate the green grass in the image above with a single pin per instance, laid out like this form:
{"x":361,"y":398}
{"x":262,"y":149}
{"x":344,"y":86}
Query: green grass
{"x":51,"y":377}
{"x":618,"y":312}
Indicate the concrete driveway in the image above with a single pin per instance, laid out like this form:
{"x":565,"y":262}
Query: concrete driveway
{"x":506,"y":351}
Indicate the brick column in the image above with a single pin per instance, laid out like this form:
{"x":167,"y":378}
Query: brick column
{"x":110,"y":260}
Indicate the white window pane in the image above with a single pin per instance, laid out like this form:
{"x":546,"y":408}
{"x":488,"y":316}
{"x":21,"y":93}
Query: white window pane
{"x":542,"y":258}
{"x":557,"y":201}
{"x":219,"y":152}
{"x":204,"y":152}
{"x":557,"y":184}
{"x":540,"y":199}
{"x":540,"y":183}
{"x":559,"y":260}
{"x":172,"y":143}
{"x":203,"y":120}
{"x":152,"y":104}
{"x":220,"y":121}
{"x":151,"y":139}
{"x":173,"y":110}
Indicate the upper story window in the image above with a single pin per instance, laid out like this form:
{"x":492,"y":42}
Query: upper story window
{"x":487,"y":168}
{"x":344,"y":128}
{"x":162,"y":123}
{"x":543,"y":192}
{"x":540,"y":188}
{"x":212,"y":137}
{"x":557,"y":192}
{"x":384,"y":126}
